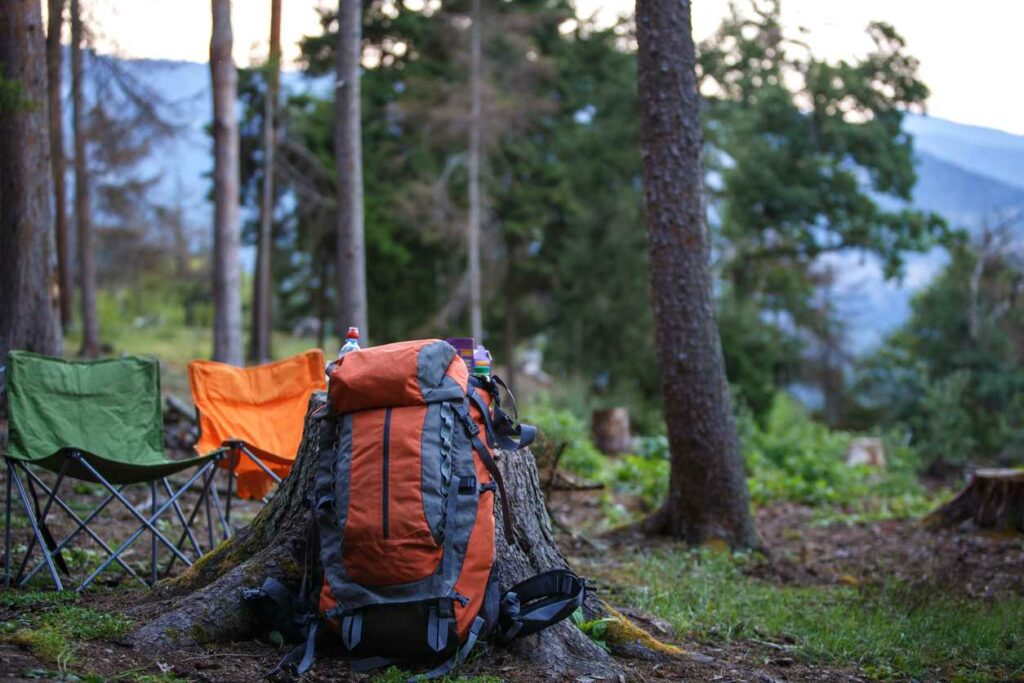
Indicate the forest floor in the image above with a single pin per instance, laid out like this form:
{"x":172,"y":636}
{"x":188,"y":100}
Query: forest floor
{"x":834,"y":595}
{"x":828,"y":599}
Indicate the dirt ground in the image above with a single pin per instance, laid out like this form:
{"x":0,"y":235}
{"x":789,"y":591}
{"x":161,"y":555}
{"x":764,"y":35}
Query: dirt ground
{"x":799,"y":552}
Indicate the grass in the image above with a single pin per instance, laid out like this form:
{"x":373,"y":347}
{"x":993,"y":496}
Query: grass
{"x":395,"y":675}
{"x":54,"y":635}
{"x":891,"y":632}
{"x":21,"y":600}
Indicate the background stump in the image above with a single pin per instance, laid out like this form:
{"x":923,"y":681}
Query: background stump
{"x":993,"y":499}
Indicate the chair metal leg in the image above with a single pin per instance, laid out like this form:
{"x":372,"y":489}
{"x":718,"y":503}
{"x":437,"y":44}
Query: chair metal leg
{"x":231,"y":482}
{"x":187,"y":533}
{"x":215,"y":497}
{"x":195,"y":510}
{"x":36,"y":530}
{"x":42,"y":520}
{"x":146,"y":523}
{"x":209,"y":521}
{"x":7,"y":524}
{"x":259,"y":463}
{"x":83,"y":525}
{"x":152,"y":562}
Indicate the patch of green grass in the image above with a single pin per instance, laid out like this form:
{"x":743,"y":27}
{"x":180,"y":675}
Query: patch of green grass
{"x":894,"y":631}
{"x":909,"y":505}
{"x":23,"y":599}
{"x":54,"y":635}
{"x":395,"y":675}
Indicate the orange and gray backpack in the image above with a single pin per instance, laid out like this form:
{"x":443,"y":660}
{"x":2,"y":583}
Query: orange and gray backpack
{"x":404,"y":506}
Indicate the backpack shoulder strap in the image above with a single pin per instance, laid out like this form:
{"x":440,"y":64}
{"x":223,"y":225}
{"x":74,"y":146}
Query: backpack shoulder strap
{"x":539,"y":602}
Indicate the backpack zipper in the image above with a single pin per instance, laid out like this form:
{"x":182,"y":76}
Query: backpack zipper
{"x":387,"y":454}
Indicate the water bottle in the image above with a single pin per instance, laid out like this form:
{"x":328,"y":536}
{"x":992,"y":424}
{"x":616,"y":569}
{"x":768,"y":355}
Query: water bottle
{"x":351,"y":344}
{"x":351,"y":341}
{"x":482,"y":363}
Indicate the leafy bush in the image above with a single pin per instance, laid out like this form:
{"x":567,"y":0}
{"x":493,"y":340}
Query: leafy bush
{"x":643,"y":477}
{"x":558,"y":429}
{"x":795,"y":458}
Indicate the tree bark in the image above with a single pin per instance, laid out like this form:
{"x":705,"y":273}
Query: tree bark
{"x":83,"y":208}
{"x":28,"y":319}
{"x":54,"y":72}
{"x":993,"y":499}
{"x":227,"y":301}
{"x":260,"y":350}
{"x":205,"y":605}
{"x":473,"y":168}
{"x":708,"y":497}
{"x":348,"y":153}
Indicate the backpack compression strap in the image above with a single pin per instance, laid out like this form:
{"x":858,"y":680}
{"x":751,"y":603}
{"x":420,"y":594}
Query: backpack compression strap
{"x":539,"y":602}
{"x":492,"y":468}
{"x":502,"y":432}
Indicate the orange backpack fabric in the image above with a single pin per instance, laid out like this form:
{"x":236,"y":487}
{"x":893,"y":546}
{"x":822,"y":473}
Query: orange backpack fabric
{"x":263,"y":406}
{"x":404,"y":500}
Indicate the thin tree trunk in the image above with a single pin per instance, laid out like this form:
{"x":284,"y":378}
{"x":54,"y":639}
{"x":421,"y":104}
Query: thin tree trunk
{"x":54,"y":70}
{"x":28,"y":318}
{"x":475,"y":124}
{"x":708,"y":496}
{"x":83,"y":210}
{"x":348,"y":153}
{"x":511,"y":315}
{"x":227,"y":301}
{"x":181,"y":264}
{"x":261,"y":303}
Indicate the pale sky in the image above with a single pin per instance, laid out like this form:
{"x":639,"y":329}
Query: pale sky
{"x":968,"y":51}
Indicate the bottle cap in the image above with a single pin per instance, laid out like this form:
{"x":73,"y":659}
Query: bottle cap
{"x":353,"y":333}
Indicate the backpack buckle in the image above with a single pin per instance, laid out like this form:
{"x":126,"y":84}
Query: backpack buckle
{"x":467,"y":485}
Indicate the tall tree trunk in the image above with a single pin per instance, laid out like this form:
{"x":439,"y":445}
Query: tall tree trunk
{"x":348,"y":154}
{"x":261,"y":302}
{"x":708,"y":496}
{"x":28,"y":319}
{"x":54,"y":72}
{"x":227,"y":300}
{"x":475,"y":124}
{"x":83,"y":210}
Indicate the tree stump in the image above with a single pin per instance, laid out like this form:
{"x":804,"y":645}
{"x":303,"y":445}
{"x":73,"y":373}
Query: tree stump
{"x":610,"y":428}
{"x":205,"y":605}
{"x":993,"y":499}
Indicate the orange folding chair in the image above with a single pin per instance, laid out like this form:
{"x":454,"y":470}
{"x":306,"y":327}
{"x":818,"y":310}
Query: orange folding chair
{"x":256,"y":415}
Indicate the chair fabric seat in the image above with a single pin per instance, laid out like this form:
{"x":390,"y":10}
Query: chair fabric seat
{"x":108,"y":410}
{"x":262,"y":406}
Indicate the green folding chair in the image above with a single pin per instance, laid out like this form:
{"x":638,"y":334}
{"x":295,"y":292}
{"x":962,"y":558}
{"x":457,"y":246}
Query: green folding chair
{"x":97,"y":421}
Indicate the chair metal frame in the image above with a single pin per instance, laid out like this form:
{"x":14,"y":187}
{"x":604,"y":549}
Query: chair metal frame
{"x":51,"y":549}
{"x":237,"y":448}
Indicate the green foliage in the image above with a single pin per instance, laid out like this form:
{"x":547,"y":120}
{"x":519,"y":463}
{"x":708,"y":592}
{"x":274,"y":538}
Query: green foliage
{"x":23,"y":599}
{"x":395,"y":675}
{"x":956,"y":386}
{"x":560,"y":430}
{"x":796,"y":458}
{"x":593,"y":628}
{"x":643,"y":477}
{"x":894,"y":631}
{"x":54,"y":634}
